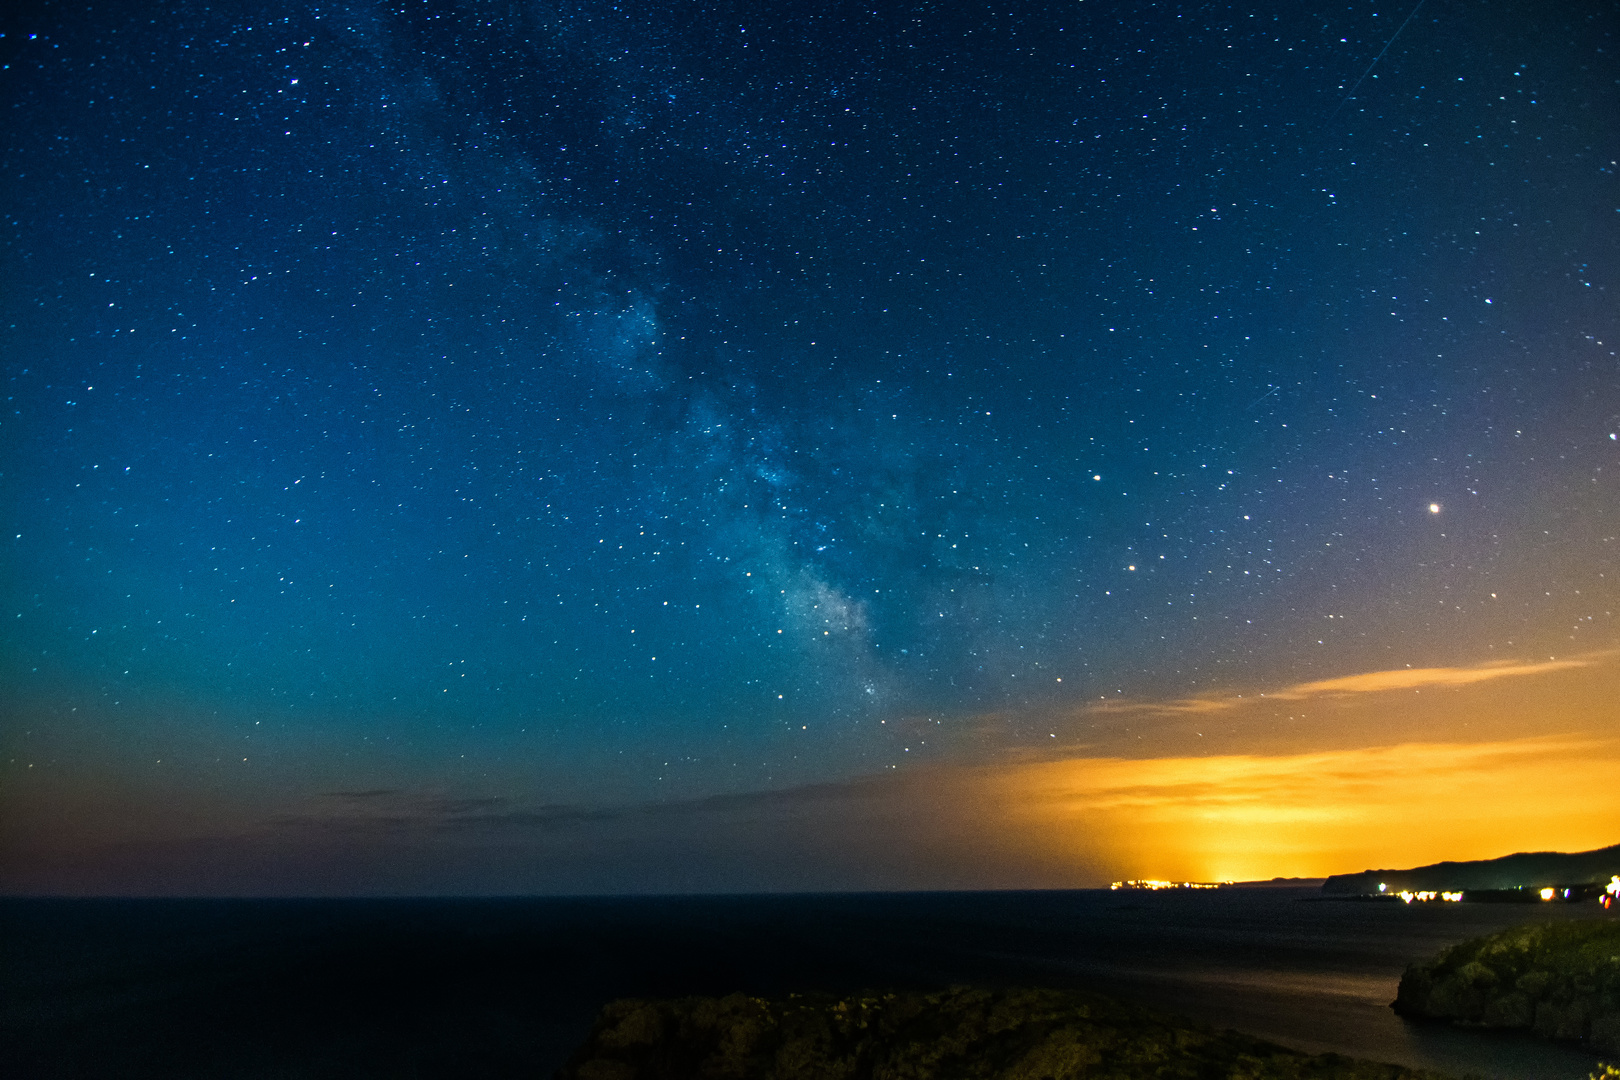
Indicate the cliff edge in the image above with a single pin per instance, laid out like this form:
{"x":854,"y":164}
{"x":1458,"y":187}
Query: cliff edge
{"x":1558,"y":980}
{"x":953,"y":1035}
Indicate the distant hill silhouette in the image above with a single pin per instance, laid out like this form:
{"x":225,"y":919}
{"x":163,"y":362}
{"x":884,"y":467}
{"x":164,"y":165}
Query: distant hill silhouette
{"x":1523,"y":870}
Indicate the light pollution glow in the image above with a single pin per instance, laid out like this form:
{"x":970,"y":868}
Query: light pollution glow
{"x":1382,"y":769}
{"x":1246,"y":817}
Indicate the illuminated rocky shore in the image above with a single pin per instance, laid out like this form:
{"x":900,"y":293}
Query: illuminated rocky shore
{"x":959,"y":1033}
{"x":1559,"y":980}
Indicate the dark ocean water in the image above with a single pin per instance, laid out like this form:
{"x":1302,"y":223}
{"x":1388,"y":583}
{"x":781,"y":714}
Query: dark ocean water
{"x":507,"y":988}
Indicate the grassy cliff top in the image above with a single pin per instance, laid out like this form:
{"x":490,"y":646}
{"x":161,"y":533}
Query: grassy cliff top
{"x":1589,"y":948}
{"x":1559,"y":980}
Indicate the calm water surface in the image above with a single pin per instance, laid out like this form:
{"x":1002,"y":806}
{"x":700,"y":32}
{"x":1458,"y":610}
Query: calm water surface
{"x":507,"y":988}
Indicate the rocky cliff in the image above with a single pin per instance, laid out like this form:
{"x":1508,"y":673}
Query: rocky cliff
{"x":952,"y":1035}
{"x":1559,"y":980}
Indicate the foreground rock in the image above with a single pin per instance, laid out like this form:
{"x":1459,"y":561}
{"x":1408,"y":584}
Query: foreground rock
{"x":1559,"y":980}
{"x":960,"y":1033}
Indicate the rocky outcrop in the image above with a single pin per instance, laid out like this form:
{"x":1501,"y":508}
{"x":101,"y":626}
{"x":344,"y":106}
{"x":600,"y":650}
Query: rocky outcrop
{"x":1559,"y":980}
{"x":954,"y":1035}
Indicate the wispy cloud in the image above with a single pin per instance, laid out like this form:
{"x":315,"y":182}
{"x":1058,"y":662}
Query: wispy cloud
{"x":1416,"y":678}
{"x":396,"y":810}
{"x":1369,"y":682}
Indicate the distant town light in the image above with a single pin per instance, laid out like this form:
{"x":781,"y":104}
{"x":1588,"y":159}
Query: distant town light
{"x":1428,"y":896}
{"x":1548,"y":894}
{"x":1154,"y":884}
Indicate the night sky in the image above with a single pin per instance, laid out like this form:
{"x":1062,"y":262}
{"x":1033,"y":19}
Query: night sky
{"x":446,"y":444}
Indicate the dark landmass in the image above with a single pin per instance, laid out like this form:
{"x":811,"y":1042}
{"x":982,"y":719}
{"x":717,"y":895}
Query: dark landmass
{"x":1529,"y":869}
{"x":1559,"y":980}
{"x":1028,"y":1034}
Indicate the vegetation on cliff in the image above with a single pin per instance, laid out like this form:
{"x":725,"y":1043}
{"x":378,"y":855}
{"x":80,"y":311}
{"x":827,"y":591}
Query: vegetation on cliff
{"x":1559,"y":980}
{"x":959,"y":1034}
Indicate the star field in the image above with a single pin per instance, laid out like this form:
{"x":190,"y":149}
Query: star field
{"x":589,"y":402}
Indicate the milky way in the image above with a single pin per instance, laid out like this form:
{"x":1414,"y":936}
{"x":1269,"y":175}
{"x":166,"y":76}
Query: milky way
{"x":592,"y":402}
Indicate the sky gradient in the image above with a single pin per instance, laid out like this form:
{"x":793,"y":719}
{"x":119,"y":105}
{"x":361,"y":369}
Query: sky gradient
{"x":592,"y":447}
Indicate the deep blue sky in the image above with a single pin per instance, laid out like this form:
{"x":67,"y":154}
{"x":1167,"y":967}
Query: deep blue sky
{"x":590,"y":403}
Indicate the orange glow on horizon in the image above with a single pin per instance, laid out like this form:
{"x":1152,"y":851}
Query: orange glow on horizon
{"x":1373,"y":770}
{"x":1249,"y":817}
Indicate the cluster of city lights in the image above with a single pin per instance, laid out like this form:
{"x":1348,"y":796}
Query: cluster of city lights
{"x":1155,"y":884}
{"x":1423,"y":896}
{"x":1548,"y":893}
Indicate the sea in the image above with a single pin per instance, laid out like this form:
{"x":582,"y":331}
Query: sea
{"x":488,"y":988}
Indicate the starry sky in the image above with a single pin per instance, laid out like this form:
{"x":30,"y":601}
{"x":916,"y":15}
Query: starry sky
{"x":481,"y":446}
